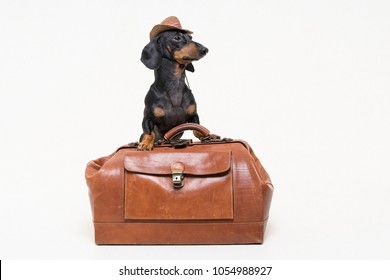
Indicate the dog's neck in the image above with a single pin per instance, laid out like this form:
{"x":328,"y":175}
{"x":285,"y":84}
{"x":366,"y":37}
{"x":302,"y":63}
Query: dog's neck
{"x":170,"y":76}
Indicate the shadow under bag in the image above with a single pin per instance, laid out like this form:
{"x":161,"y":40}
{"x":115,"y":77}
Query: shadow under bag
{"x":181,"y":192}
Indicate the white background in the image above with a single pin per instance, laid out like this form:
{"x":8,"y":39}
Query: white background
{"x":306,"y":83}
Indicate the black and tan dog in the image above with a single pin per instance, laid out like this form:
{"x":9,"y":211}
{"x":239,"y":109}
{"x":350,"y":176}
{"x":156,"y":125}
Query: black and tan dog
{"x":169,"y":101}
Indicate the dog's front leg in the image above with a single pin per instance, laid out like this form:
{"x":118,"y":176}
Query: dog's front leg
{"x":147,"y":138}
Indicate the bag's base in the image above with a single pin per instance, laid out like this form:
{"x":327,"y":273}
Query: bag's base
{"x":179,"y":233}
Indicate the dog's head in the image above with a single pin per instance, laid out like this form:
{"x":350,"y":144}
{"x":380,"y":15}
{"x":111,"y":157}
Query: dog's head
{"x":174,"y":45}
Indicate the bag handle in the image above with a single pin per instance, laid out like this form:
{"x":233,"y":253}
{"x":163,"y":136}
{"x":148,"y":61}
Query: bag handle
{"x":186,"y":126}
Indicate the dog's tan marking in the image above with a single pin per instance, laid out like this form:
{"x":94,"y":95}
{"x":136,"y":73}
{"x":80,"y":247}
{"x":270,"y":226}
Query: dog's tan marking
{"x":191,"y":109}
{"x":200,"y":135}
{"x":197,"y":134}
{"x":146,"y":143}
{"x":189,"y":50}
{"x":158,"y":112}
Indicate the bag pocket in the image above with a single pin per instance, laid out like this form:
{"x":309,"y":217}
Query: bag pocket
{"x":178,"y":185}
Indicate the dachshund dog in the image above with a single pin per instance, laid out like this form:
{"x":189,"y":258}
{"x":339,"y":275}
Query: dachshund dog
{"x":169,"y":102}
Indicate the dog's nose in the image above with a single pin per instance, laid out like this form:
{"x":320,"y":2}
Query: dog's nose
{"x":203,"y":50}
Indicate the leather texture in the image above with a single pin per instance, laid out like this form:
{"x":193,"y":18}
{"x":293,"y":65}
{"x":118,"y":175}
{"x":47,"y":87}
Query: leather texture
{"x":206,"y":193}
{"x":225,"y":195}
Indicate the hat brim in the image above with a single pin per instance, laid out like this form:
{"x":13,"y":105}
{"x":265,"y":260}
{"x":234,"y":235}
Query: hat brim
{"x":157,"y":29}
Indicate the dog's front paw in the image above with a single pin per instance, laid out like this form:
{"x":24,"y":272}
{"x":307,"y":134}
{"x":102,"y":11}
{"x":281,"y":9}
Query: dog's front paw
{"x":144,"y":147}
{"x":200,"y":136}
{"x":214,"y":136}
{"x":147,"y":143}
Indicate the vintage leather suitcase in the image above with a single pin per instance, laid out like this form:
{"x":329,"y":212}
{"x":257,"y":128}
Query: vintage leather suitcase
{"x":182,"y":192}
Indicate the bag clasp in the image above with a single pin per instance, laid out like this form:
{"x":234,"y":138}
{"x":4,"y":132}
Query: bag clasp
{"x":177,"y":169}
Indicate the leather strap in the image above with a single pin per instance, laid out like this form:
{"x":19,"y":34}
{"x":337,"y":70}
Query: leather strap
{"x":186,"y":126}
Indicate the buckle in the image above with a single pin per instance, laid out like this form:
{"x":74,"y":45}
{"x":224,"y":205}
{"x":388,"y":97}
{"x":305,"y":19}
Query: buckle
{"x":215,"y":140}
{"x":177,"y":169}
{"x":180,"y":143}
{"x":177,"y":180}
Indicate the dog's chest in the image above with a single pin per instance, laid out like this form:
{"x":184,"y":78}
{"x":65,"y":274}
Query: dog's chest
{"x":175,"y":107}
{"x":175,"y":99}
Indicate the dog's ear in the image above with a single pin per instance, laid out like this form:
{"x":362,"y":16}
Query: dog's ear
{"x":151,"y":56}
{"x":190,"y":67}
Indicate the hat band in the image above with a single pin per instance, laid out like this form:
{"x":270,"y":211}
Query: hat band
{"x":174,"y":24}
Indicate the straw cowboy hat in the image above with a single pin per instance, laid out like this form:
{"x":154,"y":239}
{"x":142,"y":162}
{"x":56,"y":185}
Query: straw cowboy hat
{"x":170,"y":23}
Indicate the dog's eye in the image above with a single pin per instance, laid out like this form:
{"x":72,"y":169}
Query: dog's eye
{"x":177,"y":38}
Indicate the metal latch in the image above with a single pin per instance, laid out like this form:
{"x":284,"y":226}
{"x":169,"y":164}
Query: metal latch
{"x":177,"y":169}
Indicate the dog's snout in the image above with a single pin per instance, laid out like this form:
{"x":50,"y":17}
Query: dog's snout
{"x":203,"y":50}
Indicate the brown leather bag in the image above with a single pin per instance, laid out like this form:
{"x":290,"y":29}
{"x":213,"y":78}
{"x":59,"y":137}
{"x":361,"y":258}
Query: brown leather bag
{"x":182,"y":192}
